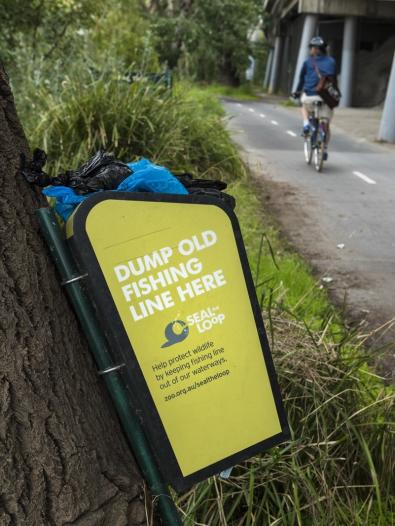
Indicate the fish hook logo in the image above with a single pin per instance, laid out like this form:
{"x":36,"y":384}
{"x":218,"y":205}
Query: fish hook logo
{"x":175,"y":332}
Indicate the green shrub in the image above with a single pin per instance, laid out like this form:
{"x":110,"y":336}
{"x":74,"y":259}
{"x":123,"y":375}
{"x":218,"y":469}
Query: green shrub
{"x":180,"y":129}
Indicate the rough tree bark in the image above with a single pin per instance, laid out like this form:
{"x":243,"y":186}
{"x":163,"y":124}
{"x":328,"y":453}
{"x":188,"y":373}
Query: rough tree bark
{"x":63,"y":458}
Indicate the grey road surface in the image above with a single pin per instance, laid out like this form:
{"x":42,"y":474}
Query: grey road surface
{"x":342,"y":220}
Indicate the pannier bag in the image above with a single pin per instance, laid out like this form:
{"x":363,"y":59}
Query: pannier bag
{"x":327,"y":89}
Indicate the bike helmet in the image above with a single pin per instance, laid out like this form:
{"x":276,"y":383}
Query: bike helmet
{"x":318,"y":42}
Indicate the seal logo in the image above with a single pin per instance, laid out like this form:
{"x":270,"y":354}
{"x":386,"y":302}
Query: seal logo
{"x":175,"y":332}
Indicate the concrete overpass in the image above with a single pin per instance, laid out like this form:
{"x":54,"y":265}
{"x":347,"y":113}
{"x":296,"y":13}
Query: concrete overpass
{"x":361,"y":37}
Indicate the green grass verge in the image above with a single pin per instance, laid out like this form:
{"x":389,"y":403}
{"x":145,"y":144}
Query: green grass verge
{"x":243,"y":92}
{"x":337,"y":469}
{"x":289,"y":104}
{"x":280,"y":275}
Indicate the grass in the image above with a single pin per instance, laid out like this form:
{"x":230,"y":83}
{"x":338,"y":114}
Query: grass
{"x":243,"y":92}
{"x":288,"y":103}
{"x":337,"y":469}
{"x":290,"y":283}
{"x":181,"y":129}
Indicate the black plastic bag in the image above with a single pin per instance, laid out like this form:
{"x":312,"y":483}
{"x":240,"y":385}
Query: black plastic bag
{"x":32,"y":170}
{"x":207,"y":187}
{"x":190,"y":182}
{"x":100,"y":172}
{"x":213,"y":192}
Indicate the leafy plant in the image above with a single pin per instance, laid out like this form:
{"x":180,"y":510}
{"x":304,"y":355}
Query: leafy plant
{"x":179,"y":128}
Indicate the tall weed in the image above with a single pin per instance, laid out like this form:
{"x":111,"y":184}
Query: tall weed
{"x":176,"y":128}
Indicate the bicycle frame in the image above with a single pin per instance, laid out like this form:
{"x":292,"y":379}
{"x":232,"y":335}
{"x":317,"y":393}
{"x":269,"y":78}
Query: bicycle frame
{"x":316,"y":142}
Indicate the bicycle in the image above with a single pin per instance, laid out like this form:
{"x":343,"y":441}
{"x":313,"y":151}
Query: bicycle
{"x":315,"y":141}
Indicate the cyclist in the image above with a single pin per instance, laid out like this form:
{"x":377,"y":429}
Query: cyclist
{"x":318,"y":63}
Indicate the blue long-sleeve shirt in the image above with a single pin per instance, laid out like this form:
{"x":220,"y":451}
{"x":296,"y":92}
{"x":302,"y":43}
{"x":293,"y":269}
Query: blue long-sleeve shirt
{"x":308,"y":78}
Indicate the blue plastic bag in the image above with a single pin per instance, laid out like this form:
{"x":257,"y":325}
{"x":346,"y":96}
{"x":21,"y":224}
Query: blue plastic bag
{"x":66,"y":200}
{"x":146,"y":177}
{"x":149,"y":177}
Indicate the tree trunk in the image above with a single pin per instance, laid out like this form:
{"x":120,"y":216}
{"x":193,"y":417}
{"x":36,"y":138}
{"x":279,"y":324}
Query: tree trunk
{"x":63,"y":457}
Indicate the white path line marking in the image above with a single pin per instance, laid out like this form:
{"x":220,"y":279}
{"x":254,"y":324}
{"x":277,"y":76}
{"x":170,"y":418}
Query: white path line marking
{"x":274,"y":122}
{"x":262,"y":115}
{"x":291,"y":133}
{"x":239,"y":105}
{"x":364,"y":177}
{"x":252,"y":109}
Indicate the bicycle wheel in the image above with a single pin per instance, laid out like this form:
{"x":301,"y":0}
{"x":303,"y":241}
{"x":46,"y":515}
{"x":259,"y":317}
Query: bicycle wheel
{"x":319,"y":156}
{"x":308,"y":150}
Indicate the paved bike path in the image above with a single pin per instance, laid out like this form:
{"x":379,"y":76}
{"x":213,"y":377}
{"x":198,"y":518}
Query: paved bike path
{"x":351,"y":203}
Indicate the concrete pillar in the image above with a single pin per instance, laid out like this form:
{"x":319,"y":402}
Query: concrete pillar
{"x":387,"y":126}
{"x":348,"y":56}
{"x":278,"y":44}
{"x":268,"y":69}
{"x":309,"y":27}
{"x":284,"y":70}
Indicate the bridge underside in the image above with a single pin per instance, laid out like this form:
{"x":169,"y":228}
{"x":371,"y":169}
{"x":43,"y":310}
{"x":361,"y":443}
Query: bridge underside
{"x":361,"y":37}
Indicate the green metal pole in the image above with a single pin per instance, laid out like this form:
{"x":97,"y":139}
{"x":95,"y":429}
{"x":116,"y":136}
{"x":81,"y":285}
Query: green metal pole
{"x":99,"y":347}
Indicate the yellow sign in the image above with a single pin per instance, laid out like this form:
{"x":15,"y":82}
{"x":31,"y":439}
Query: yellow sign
{"x":178,"y":285}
